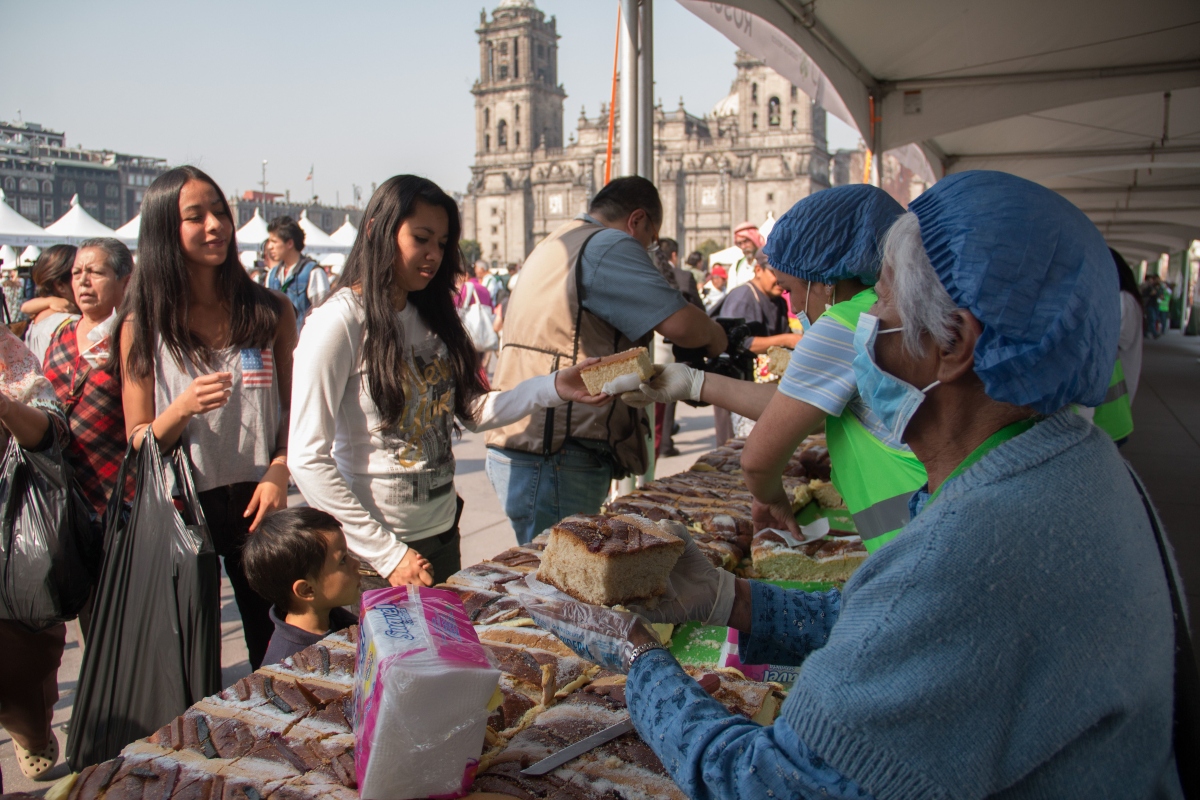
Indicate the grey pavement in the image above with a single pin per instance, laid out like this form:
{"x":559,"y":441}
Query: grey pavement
{"x":1165,"y":450}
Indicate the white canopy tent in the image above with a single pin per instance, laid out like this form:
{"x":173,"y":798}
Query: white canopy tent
{"x":77,"y":225}
{"x":335,"y":261}
{"x":18,"y":231}
{"x":346,"y":234}
{"x":30,"y":254}
{"x":128,"y":233}
{"x":315,"y":239}
{"x":1096,"y":99}
{"x":8,"y":257}
{"x":251,"y":235}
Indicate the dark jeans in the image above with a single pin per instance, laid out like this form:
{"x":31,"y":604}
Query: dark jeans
{"x":442,"y":551}
{"x":537,"y":491}
{"x":223,"y":509}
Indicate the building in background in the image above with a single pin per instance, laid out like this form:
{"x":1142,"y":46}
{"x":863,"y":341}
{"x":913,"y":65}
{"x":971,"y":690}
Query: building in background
{"x":760,"y":150}
{"x":846,"y":166}
{"x":40,"y":174}
{"x":272,"y":205}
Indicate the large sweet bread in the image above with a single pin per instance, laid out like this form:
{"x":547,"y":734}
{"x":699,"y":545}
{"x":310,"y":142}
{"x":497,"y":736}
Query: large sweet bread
{"x":609,"y":560}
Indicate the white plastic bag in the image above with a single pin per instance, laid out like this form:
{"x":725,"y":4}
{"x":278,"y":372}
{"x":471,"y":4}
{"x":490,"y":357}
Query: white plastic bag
{"x":479,"y":321}
{"x":421,"y":695}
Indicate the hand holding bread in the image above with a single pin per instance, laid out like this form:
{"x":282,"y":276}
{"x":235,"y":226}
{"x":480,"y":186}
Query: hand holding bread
{"x":570,"y":385}
{"x":670,"y":383}
{"x":601,"y":635}
{"x":696,"y":590}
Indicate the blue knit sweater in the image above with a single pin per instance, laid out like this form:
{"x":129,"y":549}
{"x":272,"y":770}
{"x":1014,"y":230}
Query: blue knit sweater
{"x":1014,"y":640}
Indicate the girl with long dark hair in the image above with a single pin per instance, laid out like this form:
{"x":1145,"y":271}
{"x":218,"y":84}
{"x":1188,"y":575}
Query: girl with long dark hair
{"x":383,"y":370}
{"x":206,"y":360}
{"x":54,"y":305}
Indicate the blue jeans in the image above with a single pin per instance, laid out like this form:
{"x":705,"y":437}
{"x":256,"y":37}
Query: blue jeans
{"x":537,"y":491}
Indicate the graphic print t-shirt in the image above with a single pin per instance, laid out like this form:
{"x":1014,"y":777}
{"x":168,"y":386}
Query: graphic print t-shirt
{"x":403,"y":476}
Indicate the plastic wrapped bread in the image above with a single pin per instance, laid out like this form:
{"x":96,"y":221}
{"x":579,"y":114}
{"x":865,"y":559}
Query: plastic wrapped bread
{"x":422,"y":691}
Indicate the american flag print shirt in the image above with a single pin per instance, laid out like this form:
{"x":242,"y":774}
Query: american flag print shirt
{"x":258,"y":368}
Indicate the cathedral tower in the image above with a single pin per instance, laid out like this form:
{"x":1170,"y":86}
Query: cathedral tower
{"x":518,"y":102}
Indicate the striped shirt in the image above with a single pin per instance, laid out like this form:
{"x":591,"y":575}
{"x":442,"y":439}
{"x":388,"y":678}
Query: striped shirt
{"x":821,"y":373}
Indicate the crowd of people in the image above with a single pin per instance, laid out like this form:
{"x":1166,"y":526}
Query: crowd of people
{"x":948,"y":666}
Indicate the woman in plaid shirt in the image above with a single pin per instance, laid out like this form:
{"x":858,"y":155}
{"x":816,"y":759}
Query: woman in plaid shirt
{"x":75,"y":364}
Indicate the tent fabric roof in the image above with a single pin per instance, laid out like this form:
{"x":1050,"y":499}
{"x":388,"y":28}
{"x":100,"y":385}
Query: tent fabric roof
{"x":346,"y":234}
{"x":1097,"y":99}
{"x":128,"y":233}
{"x":78,"y":224}
{"x":254,"y":232}
{"x":314,"y":237}
{"x":13,"y":224}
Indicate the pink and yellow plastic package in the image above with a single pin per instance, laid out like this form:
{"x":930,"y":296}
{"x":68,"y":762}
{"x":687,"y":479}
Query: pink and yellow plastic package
{"x":421,"y":695}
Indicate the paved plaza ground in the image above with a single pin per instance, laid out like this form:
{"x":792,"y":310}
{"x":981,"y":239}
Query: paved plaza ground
{"x":1165,"y":450}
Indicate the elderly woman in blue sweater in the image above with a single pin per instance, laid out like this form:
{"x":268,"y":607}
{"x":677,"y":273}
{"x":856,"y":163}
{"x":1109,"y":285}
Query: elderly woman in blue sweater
{"x":1016,"y":638}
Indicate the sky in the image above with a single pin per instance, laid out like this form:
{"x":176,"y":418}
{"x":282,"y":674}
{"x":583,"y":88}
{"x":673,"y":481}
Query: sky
{"x":357,"y":90}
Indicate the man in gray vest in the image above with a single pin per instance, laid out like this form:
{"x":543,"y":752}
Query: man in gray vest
{"x":589,"y":289}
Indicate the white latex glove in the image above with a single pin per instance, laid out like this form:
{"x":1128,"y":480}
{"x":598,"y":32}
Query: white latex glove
{"x":696,"y":590}
{"x":671,"y":382}
{"x":598,"y":634}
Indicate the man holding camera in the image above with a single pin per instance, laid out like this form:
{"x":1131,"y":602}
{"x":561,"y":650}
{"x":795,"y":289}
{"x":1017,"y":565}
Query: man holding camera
{"x":760,"y":300}
{"x":590,"y":289}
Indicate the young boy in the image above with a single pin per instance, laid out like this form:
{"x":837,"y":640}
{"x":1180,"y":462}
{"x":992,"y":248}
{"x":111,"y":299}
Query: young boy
{"x":298,"y":560}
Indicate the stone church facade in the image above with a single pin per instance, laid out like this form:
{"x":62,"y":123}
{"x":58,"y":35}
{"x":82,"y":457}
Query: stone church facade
{"x":755,"y":154}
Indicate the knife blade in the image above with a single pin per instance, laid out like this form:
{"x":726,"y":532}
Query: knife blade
{"x":579,"y":748}
{"x":710,"y":683}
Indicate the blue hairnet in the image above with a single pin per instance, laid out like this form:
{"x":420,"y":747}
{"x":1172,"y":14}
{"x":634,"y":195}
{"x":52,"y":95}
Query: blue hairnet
{"x":1037,"y":275}
{"x":833,"y":235}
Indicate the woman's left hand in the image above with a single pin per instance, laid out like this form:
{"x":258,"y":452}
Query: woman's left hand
{"x":270,"y":495}
{"x":570,"y":386}
{"x":598,"y":634}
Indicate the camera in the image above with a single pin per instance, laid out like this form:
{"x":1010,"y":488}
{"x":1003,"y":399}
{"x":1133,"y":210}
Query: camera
{"x":736,"y":362}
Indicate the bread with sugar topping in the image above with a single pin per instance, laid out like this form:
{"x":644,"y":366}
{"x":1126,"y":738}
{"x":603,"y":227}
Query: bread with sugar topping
{"x":606,"y":560}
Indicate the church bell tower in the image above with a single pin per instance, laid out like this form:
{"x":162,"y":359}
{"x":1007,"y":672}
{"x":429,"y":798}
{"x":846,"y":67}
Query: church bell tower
{"x":518,"y":102}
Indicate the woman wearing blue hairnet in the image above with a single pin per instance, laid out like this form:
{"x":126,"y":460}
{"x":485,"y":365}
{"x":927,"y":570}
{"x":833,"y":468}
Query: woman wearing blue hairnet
{"x":825,"y":252}
{"x":1016,"y":638}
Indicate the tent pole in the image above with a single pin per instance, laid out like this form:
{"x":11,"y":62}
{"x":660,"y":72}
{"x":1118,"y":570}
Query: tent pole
{"x":629,"y":87}
{"x":646,"y":91}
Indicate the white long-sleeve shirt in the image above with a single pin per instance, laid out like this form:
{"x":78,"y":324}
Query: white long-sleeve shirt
{"x":386,"y":487}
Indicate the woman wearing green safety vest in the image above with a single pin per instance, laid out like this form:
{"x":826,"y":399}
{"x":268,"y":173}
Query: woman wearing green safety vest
{"x":1115,"y":415}
{"x":825,"y":252}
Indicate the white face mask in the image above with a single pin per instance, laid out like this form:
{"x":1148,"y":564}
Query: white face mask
{"x":805,"y":323}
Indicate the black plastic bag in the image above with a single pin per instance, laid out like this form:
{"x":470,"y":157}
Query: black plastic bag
{"x":49,"y":549}
{"x":154,"y":647}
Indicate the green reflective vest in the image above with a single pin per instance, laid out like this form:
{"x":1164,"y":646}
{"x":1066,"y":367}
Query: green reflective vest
{"x":874,"y":479}
{"x":1115,"y":416}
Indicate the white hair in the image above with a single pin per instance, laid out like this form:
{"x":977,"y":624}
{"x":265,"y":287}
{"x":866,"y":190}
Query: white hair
{"x":922,"y":302}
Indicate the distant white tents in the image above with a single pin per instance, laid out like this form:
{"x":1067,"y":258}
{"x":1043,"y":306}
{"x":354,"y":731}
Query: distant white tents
{"x":768,"y":225}
{"x":30,"y":254}
{"x":18,"y":231}
{"x":335,"y":261}
{"x":251,"y":235}
{"x":77,"y":224}
{"x":315,"y":239}
{"x":128,"y":233}
{"x":346,"y":234}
